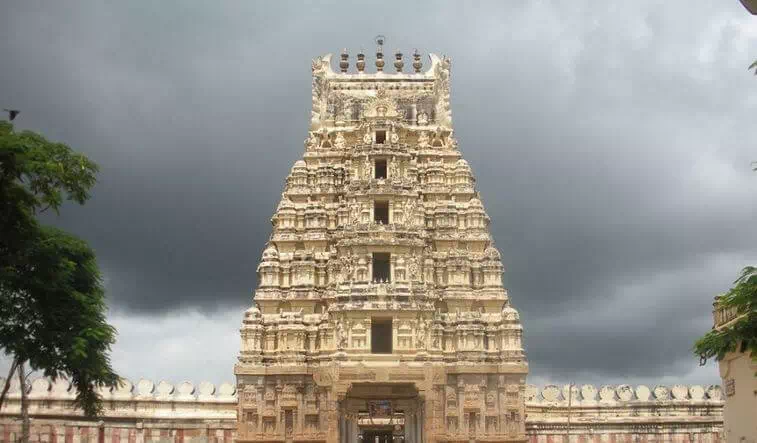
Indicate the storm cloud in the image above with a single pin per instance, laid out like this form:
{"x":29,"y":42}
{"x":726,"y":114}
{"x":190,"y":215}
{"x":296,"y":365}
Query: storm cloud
{"x":611,"y":142}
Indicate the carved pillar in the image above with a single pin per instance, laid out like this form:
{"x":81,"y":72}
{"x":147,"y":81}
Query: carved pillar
{"x":311,"y":340}
{"x":369,"y":260}
{"x":368,"y":336}
{"x":410,"y":425}
{"x":332,"y":421}
{"x":321,"y":276}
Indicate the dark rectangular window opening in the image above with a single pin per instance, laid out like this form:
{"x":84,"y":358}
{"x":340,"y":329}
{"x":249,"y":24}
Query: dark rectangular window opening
{"x":380,"y":168}
{"x":380,"y":137}
{"x":381,"y":267}
{"x":381,"y":335}
{"x":381,"y":212}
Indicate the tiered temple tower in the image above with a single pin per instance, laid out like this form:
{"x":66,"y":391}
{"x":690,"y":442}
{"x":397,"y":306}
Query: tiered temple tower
{"x":380,"y":314}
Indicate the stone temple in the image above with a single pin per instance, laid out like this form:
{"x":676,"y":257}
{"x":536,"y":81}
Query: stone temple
{"x":380,"y":312}
{"x":380,"y":315}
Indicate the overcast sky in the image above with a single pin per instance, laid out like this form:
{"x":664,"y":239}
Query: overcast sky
{"x":611,"y":142}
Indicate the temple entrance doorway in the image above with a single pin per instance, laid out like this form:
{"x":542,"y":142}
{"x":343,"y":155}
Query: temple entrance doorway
{"x":377,"y":436}
{"x":381,"y":413}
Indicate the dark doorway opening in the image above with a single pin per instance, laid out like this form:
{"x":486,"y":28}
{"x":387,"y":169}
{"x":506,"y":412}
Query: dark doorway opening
{"x":381,"y":335}
{"x":381,"y":268}
{"x":381,"y":212}
{"x":377,"y":436}
{"x":380,"y":168}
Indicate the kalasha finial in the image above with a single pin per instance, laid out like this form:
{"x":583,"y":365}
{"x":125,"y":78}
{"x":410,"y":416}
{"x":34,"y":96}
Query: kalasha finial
{"x":380,"y":53}
{"x":360,"y":61}
{"x":398,"y":63}
{"x":344,"y":62}
{"x":417,"y":65}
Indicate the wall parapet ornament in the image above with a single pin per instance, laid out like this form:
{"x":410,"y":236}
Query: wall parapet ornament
{"x":138,"y":409}
{"x":610,"y":395}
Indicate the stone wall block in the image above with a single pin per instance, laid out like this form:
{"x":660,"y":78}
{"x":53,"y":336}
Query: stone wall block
{"x":61,"y":388}
{"x":14,"y":390}
{"x":572,"y":393}
{"x":105,"y":392}
{"x":714,"y":392}
{"x":40,"y":388}
{"x":145,"y":388}
{"x":551,"y":393}
{"x":607,"y":393}
{"x":624,"y":392}
{"x":206,"y":391}
{"x":532,"y":393}
{"x":661,"y":392}
{"x":680,"y":392}
{"x":696,"y":392}
{"x":643,"y":393}
{"x":164,"y":390}
{"x":185,"y":391}
{"x":588,"y":393}
{"x":227,"y":390}
{"x":123,"y":390}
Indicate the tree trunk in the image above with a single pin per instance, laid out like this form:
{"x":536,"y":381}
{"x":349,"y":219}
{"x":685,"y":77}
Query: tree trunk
{"x":24,"y":405}
{"x":8,"y":382}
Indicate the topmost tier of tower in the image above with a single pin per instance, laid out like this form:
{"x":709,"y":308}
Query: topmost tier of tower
{"x":411,"y":97}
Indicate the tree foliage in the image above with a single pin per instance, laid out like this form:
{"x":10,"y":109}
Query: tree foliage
{"x":52,"y":302}
{"x":741,"y":335}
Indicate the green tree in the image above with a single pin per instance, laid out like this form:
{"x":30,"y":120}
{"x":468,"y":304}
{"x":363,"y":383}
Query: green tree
{"x":52,"y":302}
{"x":739,"y":334}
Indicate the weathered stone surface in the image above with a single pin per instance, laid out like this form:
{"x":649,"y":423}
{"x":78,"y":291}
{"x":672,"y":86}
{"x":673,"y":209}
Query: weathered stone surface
{"x":624,"y":392}
{"x":643,"y":393}
{"x":145,"y":388}
{"x":381,"y":271}
{"x":607,"y":393}
{"x":588,"y":393}
{"x":696,"y":392}
{"x":661,"y":392}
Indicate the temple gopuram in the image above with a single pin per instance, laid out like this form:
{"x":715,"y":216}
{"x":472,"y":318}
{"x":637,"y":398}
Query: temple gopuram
{"x":380,"y":314}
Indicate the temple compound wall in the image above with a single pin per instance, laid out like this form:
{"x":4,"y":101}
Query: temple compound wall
{"x":149,"y":412}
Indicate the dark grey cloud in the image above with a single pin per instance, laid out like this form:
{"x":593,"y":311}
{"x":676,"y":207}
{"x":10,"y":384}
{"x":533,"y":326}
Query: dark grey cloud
{"x":611,"y":144}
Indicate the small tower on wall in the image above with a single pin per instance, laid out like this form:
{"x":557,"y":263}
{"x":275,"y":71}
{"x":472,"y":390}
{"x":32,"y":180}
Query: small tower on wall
{"x":380,"y":313}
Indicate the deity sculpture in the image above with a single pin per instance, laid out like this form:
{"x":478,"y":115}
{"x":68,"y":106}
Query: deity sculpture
{"x":412,"y":267}
{"x":348,"y":267}
{"x":312,"y":142}
{"x":393,"y":136}
{"x":355,"y":209}
{"x":394,"y":171}
{"x":423,"y":140}
{"x":339,"y":142}
{"x":341,"y":335}
{"x":367,"y":168}
{"x":409,"y":211}
{"x":346,"y":112}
